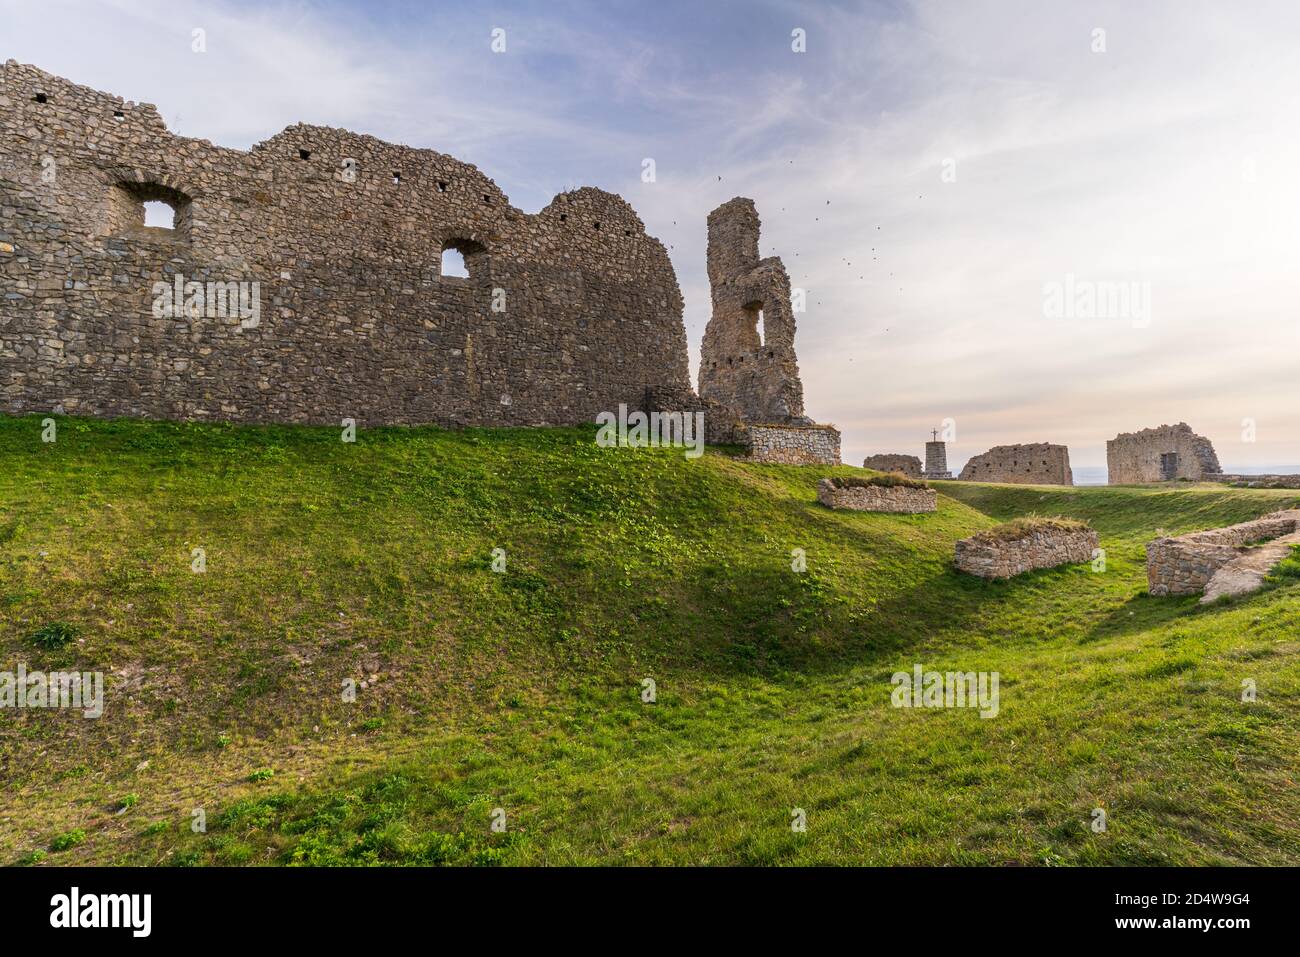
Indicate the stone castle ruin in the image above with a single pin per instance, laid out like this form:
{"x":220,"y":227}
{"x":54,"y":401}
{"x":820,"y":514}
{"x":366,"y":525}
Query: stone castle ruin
{"x":747,"y":359}
{"x":1038,"y":463}
{"x":908,"y":465}
{"x":301,"y":281}
{"x":1164,"y":454}
{"x":748,"y":369}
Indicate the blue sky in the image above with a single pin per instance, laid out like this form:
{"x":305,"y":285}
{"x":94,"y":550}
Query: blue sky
{"x":1166,"y":158}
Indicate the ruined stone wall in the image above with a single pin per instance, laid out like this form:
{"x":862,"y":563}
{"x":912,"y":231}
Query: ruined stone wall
{"x":1033,"y":464}
{"x":792,"y":445}
{"x":1043,"y":548}
{"x":1184,"y":565}
{"x":877,"y":498}
{"x":566,"y":312}
{"x":1136,"y":457}
{"x":755,"y":374}
{"x":908,"y":465}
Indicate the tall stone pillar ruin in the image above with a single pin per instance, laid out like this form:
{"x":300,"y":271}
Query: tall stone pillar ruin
{"x":747,"y":358}
{"x":749,"y":375}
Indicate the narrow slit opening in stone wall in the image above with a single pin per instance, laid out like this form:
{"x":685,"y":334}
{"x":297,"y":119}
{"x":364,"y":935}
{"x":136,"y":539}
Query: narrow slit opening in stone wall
{"x":754,"y":312}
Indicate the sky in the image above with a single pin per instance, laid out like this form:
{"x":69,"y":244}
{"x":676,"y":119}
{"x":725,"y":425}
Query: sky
{"x":952,"y":183}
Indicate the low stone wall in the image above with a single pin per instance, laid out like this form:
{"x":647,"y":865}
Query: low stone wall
{"x":908,"y":465}
{"x":1184,"y":565}
{"x":877,"y":498}
{"x":793,"y":444}
{"x":1256,"y":481}
{"x":1042,"y":548}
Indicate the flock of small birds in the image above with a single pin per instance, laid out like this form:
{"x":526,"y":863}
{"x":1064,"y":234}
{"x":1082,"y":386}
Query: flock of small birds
{"x":843,"y":259}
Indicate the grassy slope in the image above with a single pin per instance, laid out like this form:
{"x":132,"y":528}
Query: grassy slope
{"x":522,"y":690}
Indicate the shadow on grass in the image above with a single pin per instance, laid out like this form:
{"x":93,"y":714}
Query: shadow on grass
{"x":1142,"y":612}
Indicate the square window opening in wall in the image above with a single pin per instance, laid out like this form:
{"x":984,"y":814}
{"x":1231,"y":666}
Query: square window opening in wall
{"x":397,"y":178}
{"x":442,"y":186}
{"x":149,"y":211}
{"x":119,"y":115}
{"x":564,"y":217}
{"x":304,"y":154}
{"x":596,"y":225}
{"x":462,"y":259}
{"x":487,"y":199}
{"x":41,"y":98}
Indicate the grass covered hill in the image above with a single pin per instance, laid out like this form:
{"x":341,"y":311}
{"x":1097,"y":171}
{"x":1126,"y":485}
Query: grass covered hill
{"x":516,"y":696}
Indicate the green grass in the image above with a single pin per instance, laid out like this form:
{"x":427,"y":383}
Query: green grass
{"x":884,"y":480}
{"x":350,"y":634}
{"x":1019,"y":528}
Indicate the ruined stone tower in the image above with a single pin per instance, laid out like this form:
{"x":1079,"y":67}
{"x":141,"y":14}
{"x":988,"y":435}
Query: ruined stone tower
{"x":747,"y":359}
{"x":936,"y":460}
{"x":1164,"y":454}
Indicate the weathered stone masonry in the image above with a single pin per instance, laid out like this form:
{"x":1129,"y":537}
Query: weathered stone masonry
{"x":747,"y":375}
{"x":1035,"y":464}
{"x":356,"y":320}
{"x":936,"y":460}
{"x":1159,"y":455}
{"x":877,"y":498}
{"x":908,"y":465}
{"x":757,"y":375}
{"x":1041,"y":548}
{"x":791,"y":445}
{"x":1186,"y":564}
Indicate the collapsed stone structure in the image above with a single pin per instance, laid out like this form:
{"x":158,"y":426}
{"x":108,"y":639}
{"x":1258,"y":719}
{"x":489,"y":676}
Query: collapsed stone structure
{"x":1218,"y":561}
{"x":908,"y":465}
{"x":993,"y":555}
{"x":302,"y":282}
{"x":872,"y":497}
{"x":748,"y":368}
{"x":747,"y":359}
{"x":1038,"y":463}
{"x":1162,"y":454}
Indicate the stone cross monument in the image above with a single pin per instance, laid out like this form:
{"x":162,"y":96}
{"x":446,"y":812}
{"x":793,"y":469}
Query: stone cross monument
{"x":936,"y":458}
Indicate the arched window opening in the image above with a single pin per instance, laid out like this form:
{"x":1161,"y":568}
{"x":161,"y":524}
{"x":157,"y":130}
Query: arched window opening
{"x":462,"y":259}
{"x":159,"y":215}
{"x":453,"y":263}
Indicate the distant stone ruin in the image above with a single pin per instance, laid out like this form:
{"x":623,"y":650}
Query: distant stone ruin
{"x":908,"y":465}
{"x":1218,"y":561}
{"x":1163,"y":454}
{"x":936,"y":460}
{"x":747,"y":359}
{"x":1034,"y":464}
